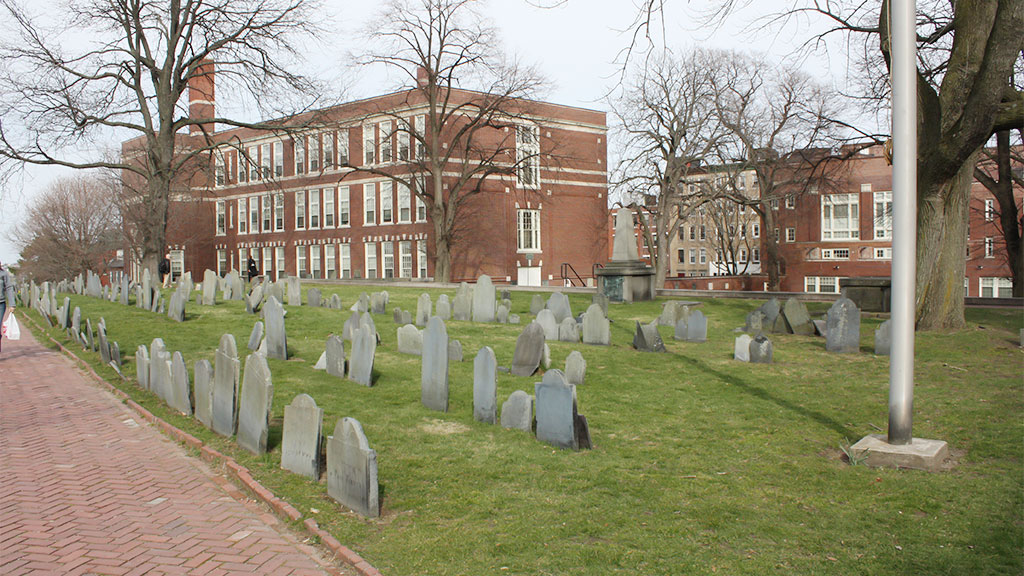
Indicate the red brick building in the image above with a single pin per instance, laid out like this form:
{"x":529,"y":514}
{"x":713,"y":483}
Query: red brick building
{"x":301,"y":202}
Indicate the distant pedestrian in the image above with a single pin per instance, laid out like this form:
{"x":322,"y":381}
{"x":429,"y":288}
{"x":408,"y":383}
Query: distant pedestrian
{"x":6,"y":296}
{"x":253,"y":272}
{"x":165,"y":270}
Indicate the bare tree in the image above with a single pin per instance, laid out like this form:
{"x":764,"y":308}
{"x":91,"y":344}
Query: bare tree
{"x":669,"y":126}
{"x":72,"y":227}
{"x":1001,"y":184}
{"x":127,"y":77}
{"x":465,"y":137}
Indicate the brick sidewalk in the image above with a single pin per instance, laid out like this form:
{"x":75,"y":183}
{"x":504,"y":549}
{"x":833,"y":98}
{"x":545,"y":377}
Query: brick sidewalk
{"x":86,"y":487}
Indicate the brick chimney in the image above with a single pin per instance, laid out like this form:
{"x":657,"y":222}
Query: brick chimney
{"x":201,"y":96}
{"x":421,"y":77}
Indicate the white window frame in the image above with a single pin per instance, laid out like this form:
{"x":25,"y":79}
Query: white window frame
{"x":265,"y":169}
{"x":369,"y":144}
{"x":703,"y":256}
{"x":419,"y":149}
{"x":314,"y":209}
{"x":402,"y":137}
{"x":790,"y":202}
{"x":996,"y":286}
{"x":328,"y":150}
{"x":344,"y":207}
{"x":254,"y":214}
{"x":300,"y":154}
{"x":820,"y":284}
{"x":278,"y":159}
{"x":220,"y":218}
{"x":883,"y":253}
{"x":279,"y":255}
{"x":300,"y":210}
{"x":405,"y":259}
{"x":755,"y":256}
{"x":756,"y":230}
{"x":279,"y":212}
{"x":370,"y":204}
{"x":990,"y":209}
{"x":222,"y":262}
{"x":832,"y":228}
{"x":387,"y":202}
{"x":266,"y":213}
{"x":421,"y":258}
{"x":254,"y":167}
{"x":693,"y":255}
{"x":528,"y":156}
{"x":370,"y":260}
{"x":268,"y":260}
{"x":404,"y":204}
{"x":990,"y":247}
{"x":343,"y":146}
{"x":387,"y":252}
{"x":219,"y":171}
{"x":243,"y":216}
{"x":528,"y":239}
{"x":316,"y":269}
{"x":313,"y":152}
{"x":345,"y":260}
{"x":330,"y":262}
{"x":385,"y":132}
{"x":300,"y":261}
{"x":330,"y":221}
{"x":883,"y":215}
{"x":791,"y":234}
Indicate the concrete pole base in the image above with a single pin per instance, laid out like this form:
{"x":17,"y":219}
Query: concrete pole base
{"x":920,"y":454}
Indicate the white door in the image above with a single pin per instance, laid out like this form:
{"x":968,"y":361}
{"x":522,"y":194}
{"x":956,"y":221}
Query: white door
{"x":529,"y":276}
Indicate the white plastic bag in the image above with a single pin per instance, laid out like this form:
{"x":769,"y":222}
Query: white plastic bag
{"x":11,"y":329}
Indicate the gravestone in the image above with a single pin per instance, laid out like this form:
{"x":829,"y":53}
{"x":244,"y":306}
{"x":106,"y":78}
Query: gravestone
{"x":483,"y":299}
{"x":696,"y":327}
{"x":485,"y":386}
{"x":300,"y":437}
{"x":180,"y":397}
{"x":115,"y":355}
{"x":463,"y":308}
{"x":569,"y":330}
{"x":741,"y":348}
{"x":226,"y":370}
{"x":364,"y":347}
{"x":501,"y":316}
{"x":423,"y":309}
{"x":454,"y":351}
{"x":761,"y":350}
{"x":351,"y":324}
{"x":378,"y":303}
{"x":545,"y":359}
{"x":755,"y":321}
{"x":647,"y":338}
{"x":444,"y":307}
{"x":546,"y":319}
{"x":209,"y":287}
{"x":147,"y":289}
{"x":513,"y":318}
{"x":277,"y":339}
{"x":294,"y":291}
{"x":142,"y":366}
{"x":275,"y":290}
{"x":556,"y":410}
{"x":537,"y":304}
{"x":529,"y":350}
{"x":76,"y":321}
{"x":883,"y":339}
{"x":410,"y":340}
{"x":64,"y":318}
{"x":124,"y":290}
{"x":842,"y":327}
{"x":771,"y":310}
{"x":255,"y":299}
{"x":575,"y":368}
{"x":313,"y":296}
{"x":335,"y":351}
{"x":159,"y":368}
{"x":176,"y":309}
{"x":352,"y":469}
{"x":254,"y":404}
{"x":256,"y":336}
{"x":101,"y":333}
{"x":237,"y":286}
{"x":558,"y":303}
{"x":321,"y":362}
{"x":596,"y":327}
{"x":203,"y":392}
{"x":363,"y":303}
{"x":819,"y":327}
{"x":434,"y":368}
{"x":671,"y":312}
{"x":335,"y":302}
{"x":517,"y":411}
{"x":798,"y":321}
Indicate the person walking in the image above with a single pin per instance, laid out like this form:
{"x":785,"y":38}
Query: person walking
{"x":165,"y":270}
{"x":6,"y":297}
{"x":253,"y":271}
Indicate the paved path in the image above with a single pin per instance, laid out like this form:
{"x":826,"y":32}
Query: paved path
{"x":87,"y":487}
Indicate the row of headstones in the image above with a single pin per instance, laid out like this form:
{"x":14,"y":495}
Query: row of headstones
{"x":841,"y":326}
{"x":362,"y":333}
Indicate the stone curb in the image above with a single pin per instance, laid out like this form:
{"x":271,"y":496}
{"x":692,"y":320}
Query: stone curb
{"x":237,"y":471}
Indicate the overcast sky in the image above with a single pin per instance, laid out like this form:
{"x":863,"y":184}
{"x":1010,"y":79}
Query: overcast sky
{"x":575,"y":45}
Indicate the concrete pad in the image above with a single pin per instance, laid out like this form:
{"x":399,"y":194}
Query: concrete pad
{"x":920,"y":454}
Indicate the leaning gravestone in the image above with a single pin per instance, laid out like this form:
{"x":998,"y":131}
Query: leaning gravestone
{"x":256,"y":336}
{"x":556,"y":410}
{"x":203,"y":381}
{"x":176,"y":310}
{"x":761,"y":350}
{"x":352,"y":469}
{"x":423,"y":309}
{"x":647,"y":338}
{"x":142,"y":366}
{"x":485,"y":386}
{"x":314,"y":297}
{"x":434,"y":368}
{"x":321,"y":362}
{"x":225,"y":386}
{"x":255,"y":299}
{"x":410,"y":340}
{"x":463,"y":307}
{"x":842,"y":332}
{"x":335,"y":360}
{"x":575,"y":368}
{"x":209,"y":287}
{"x":351,"y":324}
{"x":101,"y":333}
{"x":115,"y":355}
{"x":546,"y":319}
{"x":529,"y":350}
{"x":558,"y":303}
{"x":569,"y":330}
{"x":596,"y":327}
{"x":798,"y":321}
{"x":483,"y":300}
{"x":444,"y":307}
{"x":741,"y":348}
{"x":277,"y":339}
{"x":517,"y":411}
{"x":294,"y":291}
{"x":254,"y":405}
{"x":883,"y":339}
{"x":364,"y":347}
{"x":537,"y":304}
{"x":180,"y":397}
{"x":300,"y":438}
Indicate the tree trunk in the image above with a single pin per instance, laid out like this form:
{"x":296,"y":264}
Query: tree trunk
{"x":770,"y":258}
{"x":942,"y":216}
{"x":442,"y":252}
{"x":1008,"y":219}
{"x":660,"y":254}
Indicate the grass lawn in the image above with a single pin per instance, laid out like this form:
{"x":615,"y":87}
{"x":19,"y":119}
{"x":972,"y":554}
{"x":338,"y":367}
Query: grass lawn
{"x":700,"y":464}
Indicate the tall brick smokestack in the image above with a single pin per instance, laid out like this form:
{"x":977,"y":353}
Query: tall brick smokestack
{"x":201,"y":97}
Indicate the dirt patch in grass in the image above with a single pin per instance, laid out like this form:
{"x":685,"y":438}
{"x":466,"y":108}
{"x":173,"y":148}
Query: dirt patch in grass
{"x":442,"y":428}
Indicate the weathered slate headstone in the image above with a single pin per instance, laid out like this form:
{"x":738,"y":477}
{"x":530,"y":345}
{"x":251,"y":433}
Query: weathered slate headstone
{"x":741,"y":348}
{"x":696,"y":327}
{"x":209,"y":287}
{"x":180,"y":397}
{"x":115,"y":355}
{"x":444,"y":307}
{"x":423,"y":309}
{"x":351,"y":324}
{"x":352,"y":469}
{"x":483,"y":299}
{"x":556,"y":410}
{"x":124,"y":290}
{"x":142,"y":366}
{"x":517,"y":411}
{"x":558,"y":303}
{"x":454,"y":351}
{"x":364,"y":347}
{"x":378,"y":303}
{"x":501,"y":316}
{"x":596,"y":327}
{"x":294,"y":291}
{"x":237,"y":286}
{"x":575,"y":368}
{"x":529,"y":350}
{"x":147,"y":289}
{"x":256,"y":336}
{"x":277,"y":339}
{"x":761,"y":350}
{"x":301,"y":437}
{"x":601,"y":300}
{"x":254,"y":405}
{"x":159,"y":368}
{"x":842,"y":332}
{"x":546,"y":319}
{"x":313,"y":296}
{"x":176,"y":309}
{"x":820,"y":327}
{"x":569,"y":330}
{"x":883,"y":339}
{"x":537,"y":304}
{"x":321,"y":362}
{"x":410,"y":340}
{"x":335,"y":350}
{"x":647,"y":338}
{"x":226,"y":370}
{"x":101,"y":333}
{"x":275,"y":290}
{"x":76,"y":320}
{"x":203,"y":390}
{"x":798,"y":321}
{"x":756,"y":321}
{"x":463,"y":308}
{"x":434,"y":368}
{"x":255,"y":299}
{"x":485,"y":386}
